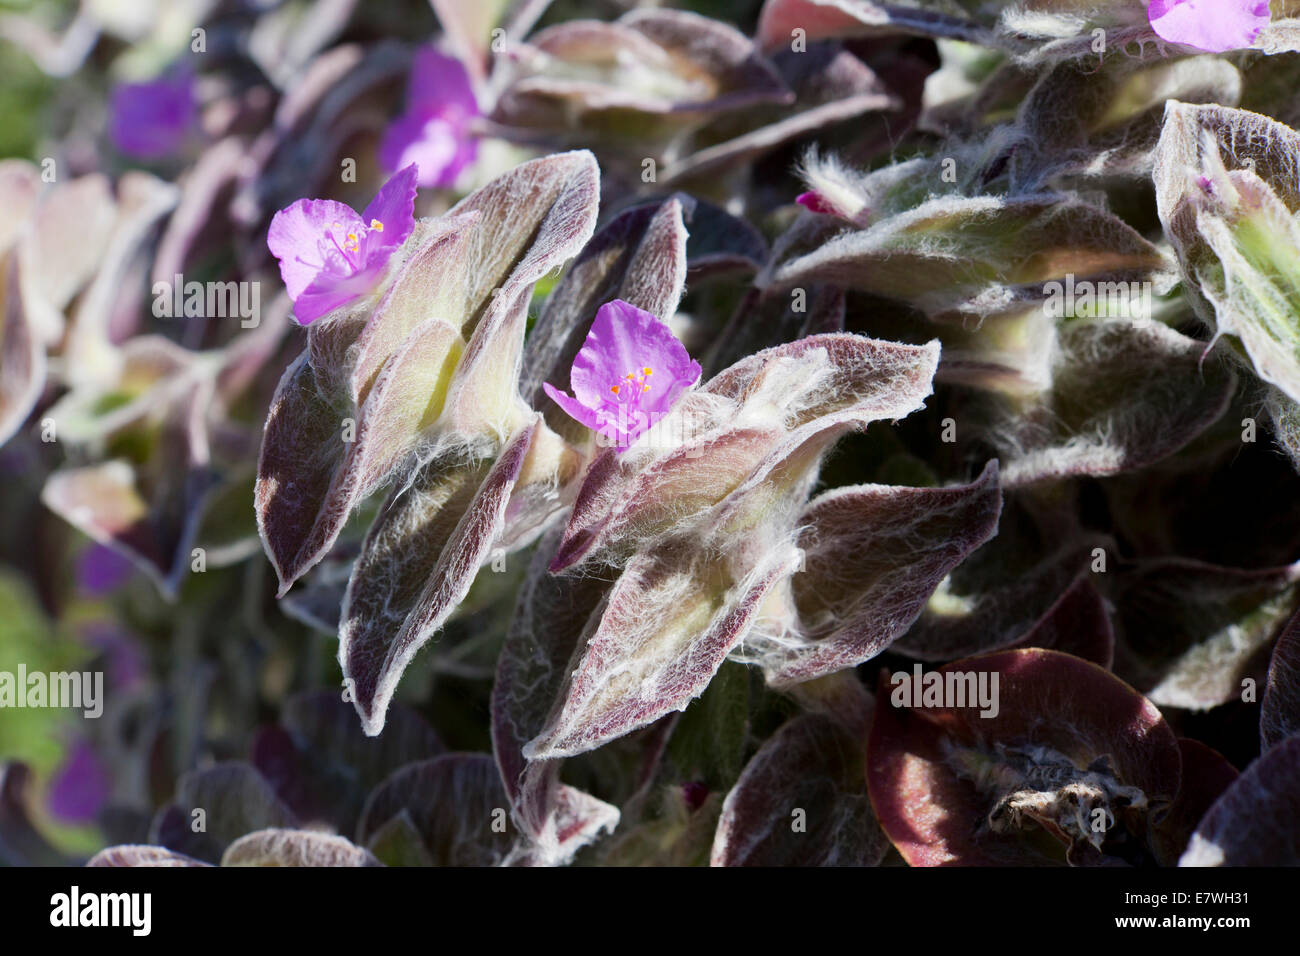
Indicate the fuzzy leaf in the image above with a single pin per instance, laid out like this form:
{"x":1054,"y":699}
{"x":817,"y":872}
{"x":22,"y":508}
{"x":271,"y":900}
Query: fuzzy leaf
{"x":1250,"y":824}
{"x":454,"y":802}
{"x":1001,"y":593}
{"x":956,"y":257}
{"x":231,"y":799}
{"x":577,"y":75}
{"x":322,"y":765}
{"x":1206,"y":774}
{"x":550,"y":618}
{"x":874,"y":554}
{"x":1123,"y":395}
{"x":141,"y":855}
{"x":295,"y":848}
{"x":1090,"y":123}
{"x":416,"y":566}
{"x":1279,"y":715}
{"x":1191,"y":632}
{"x":810,"y":765}
{"x":1036,"y":30}
{"x":670,"y":621}
{"x":22,"y":357}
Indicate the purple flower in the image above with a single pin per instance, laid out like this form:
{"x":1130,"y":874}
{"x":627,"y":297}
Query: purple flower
{"x":629,"y":372}
{"x":329,"y":255}
{"x":1215,"y":26}
{"x":101,"y":570}
{"x":151,"y":120}
{"x":434,"y":133}
{"x":79,"y":787}
{"x":122,"y":657}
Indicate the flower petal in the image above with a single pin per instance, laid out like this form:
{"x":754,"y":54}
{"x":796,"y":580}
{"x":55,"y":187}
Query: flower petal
{"x":439,"y":81}
{"x":433,"y":143}
{"x":624,"y":339}
{"x":296,"y":235}
{"x":150,"y":120}
{"x":573,"y":407}
{"x":394,"y":206}
{"x":329,"y":290}
{"x":1215,"y":26}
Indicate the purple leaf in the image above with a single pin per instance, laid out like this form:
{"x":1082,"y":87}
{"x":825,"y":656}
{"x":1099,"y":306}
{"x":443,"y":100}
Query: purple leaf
{"x":1191,"y":632}
{"x":1206,"y":774}
{"x":295,"y":848}
{"x":1279,"y":713}
{"x":670,"y":620}
{"x":436,"y":551}
{"x":874,"y":554}
{"x":998,"y":596}
{"x":1123,"y":396}
{"x":965,"y":257}
{"x":234,"y":799}
{"x":688,"y":67}
{"x":1078,"y":624}
{"x":550,"y":618}
{"x":1250,"y":824}
{"x":453,"y":803}
{"x":323,"y":766}
{"x":146,"y":856}
{"x":810,"y":765}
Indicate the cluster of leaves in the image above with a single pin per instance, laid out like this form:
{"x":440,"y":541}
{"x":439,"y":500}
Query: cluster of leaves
{"x":482,"y":637}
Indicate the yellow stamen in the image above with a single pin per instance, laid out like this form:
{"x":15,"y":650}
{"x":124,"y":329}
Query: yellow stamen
{"x":614,"y":389}
{"x":376,"y":225}
{"x":648,"y":372}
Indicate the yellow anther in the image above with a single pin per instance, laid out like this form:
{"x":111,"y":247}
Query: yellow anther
{"x":614,"y":389}
{"x":376,"y":225}
{"x":648,"y":371}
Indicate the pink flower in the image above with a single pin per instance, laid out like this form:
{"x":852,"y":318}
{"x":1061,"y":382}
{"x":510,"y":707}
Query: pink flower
{"x":329,"y":255}
{"x":151,"y":120}
{"x":629,"y":372}
{"x":817,"y":203}
{"x":1214,"y":26}
{"x":434,"y":132}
